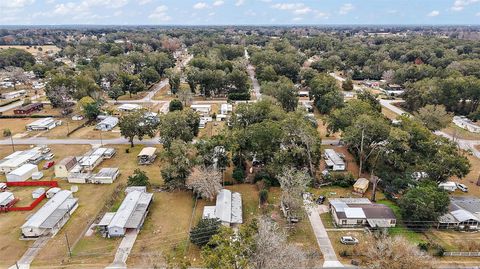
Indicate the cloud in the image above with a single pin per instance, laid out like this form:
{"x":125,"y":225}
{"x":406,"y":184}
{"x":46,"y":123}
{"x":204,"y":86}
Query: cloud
{"x":296,"y":8}
{"x":478,"y":14}
{"x":11,"y":4}
{"x":200,"y":5}
{"x":160,"y":14}
{"x":218,"y":3}
{"x":297,"y":19}
{"x":239,"y":3}
{"x":459,"y":5}
{"x":144,"y":2}
{"x":346,"y":8}
{"x":434,"y":13}
{"x":211,"y":14}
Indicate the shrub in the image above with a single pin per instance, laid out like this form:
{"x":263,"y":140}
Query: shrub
{"x":263,"y":196}
{"x":205,"y":229}
{"x":238,"y":174}
{"x":139,"y":178}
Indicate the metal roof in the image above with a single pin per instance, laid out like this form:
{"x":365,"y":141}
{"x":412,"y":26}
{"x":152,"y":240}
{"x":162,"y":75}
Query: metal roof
{"x":463,"y":215}
{"x":354,"y":213}
{"x":26,"y":168}
{"x":106,"y":173}
{"x":148,"y":151}
{"x":43,"y":122}
{"x":352,"y":201}
{"x":4,"y":196}
{"x":223,"y":206}
{"x":339,"y":205}
{"x":107,"y":218}
{"x":129,"y":107}
{"x":52,"y":205}
{"x":17,"y":158}
{"x":237,"y":213}
{"x":132,"y":210}
{"x":334,"y":157}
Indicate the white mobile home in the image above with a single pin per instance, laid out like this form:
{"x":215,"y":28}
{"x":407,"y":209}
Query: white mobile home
{"x":225,"y":109}
{"x":228,"y":208}
{"x":107,"y":124}
{"x":130,"y":215}
{"x":19,"y":158}
{"x":6,"y":199}
{"x":22,"y":173}
{"x":448,"y":186}
{"x":49,"y":219}
{"x":333,"y":160}
{"x":43,"y":124}
{"x":93,"y":158}
{"x":202,"y":109}
{"x":13,"y":95}
{"x":129,"y":107}
{"x":105,"y":176}
{"x":464,"y":123}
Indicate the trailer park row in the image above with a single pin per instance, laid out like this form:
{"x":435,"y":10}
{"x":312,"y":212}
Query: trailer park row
{"x":91,"y":206}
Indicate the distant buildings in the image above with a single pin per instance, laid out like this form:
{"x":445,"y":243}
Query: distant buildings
{"x":19,"y":158}
{"x":228,"y":208}
{"x":464,"y":123}
{"x":130,"y":215}
{"x":28,"y":109}
{"x":49,"y":219}
{"x":358,"y":212}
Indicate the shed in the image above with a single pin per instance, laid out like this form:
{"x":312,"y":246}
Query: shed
{"x":22,"y":173}
{"x":105,"y":176}
{"x":38,"y":192}
{"x":147,"y":155}
{"x":361,"y":185}
{"x":37,"y":175}
{"x":52,"y":191}
{"x":64,"y":166}
{"x":228,"y":208}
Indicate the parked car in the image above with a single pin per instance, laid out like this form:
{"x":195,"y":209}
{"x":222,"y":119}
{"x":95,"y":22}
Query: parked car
{"x":349,"y":240}
{"x":48,"y":165}
{"x":320,"y":200}
{"x":462,"y":187}
{"x":49,"y":156}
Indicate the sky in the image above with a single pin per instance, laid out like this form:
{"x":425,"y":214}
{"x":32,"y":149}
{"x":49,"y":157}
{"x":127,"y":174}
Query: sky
{"x":238,"y":12}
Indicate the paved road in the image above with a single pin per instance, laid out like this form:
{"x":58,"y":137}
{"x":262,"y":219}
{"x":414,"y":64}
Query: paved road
{"x":465,"y":144}
{"x":329,"y":256}
{"x":251,"y":73}
{"x":123,"y":250}
{"x":10,"y":106}
{"x":31,"y":253}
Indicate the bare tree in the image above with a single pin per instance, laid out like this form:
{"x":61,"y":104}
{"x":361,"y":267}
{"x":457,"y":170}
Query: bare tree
{"x":293,"y":183}
{"x":388,"y":76}
{"x":381,"y":251}
{"x":185,"y":95}
{"x":272,"y":249}
{"x":206,"y":182}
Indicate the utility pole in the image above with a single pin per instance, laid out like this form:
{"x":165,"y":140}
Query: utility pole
{"x":361,"y":154}
{"x":68,"y":245}
{"x":16,"y":264}
{"x":13,"y":145}
{"x":101,"y":140}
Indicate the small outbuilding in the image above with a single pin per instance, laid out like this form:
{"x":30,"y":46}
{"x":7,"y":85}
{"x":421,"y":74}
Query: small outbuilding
{"x":107,"y":124}
{"x":38,"y":192}
{"x":147,"y":155}
{"x":62,"y":169}
{"x":361,"y":186}
{"x":22,"y":173}
{"x":228,"y":208}
{"x":7,"y":199}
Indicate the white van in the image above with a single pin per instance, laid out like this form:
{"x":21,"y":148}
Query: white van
{"x":462,"y":187}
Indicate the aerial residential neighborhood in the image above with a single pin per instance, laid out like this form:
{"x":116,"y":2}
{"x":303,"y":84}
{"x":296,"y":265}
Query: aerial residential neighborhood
{"x":247,"y":134}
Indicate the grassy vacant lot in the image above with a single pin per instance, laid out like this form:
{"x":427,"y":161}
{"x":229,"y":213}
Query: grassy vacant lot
{"x":16,"y":126}
{"x":389,"y":114}
{"x":34,"y":49}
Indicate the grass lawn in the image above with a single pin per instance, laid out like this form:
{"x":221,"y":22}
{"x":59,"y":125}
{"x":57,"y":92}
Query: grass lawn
{"x":461,"y":133}
{"x":389,"y":114}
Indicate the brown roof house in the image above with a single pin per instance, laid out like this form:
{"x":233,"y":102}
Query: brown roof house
{"x":360,"y":212}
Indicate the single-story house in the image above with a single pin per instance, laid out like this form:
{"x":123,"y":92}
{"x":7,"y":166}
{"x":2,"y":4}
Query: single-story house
{"x":62,"y":169}
{"x":43,"y":124}
{"x":51,"y":217}
{"x":228,"y":208}
{"x":28,"y":109}
{"x":14,"y":94}
{"x":333,"y":160}
{"x":105,"y":176}
{"x":147,"y":155}
{"x":359,"y":212}
{"x":129,"y":107}
{"x":22,"y":173}
{"x":361,"y":186}
{"x":463,"y":214}
{"x":448,"y":186}
{"x":130,"y":215}
{"x":465,"y":123}
{"x":107,"y":124}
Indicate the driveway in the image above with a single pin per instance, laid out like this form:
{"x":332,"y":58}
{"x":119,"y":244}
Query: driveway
{"x":251,"y":73}
{"x":31,"y":253}
{"x":123,"y":250}
{"x":329,"y":256}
